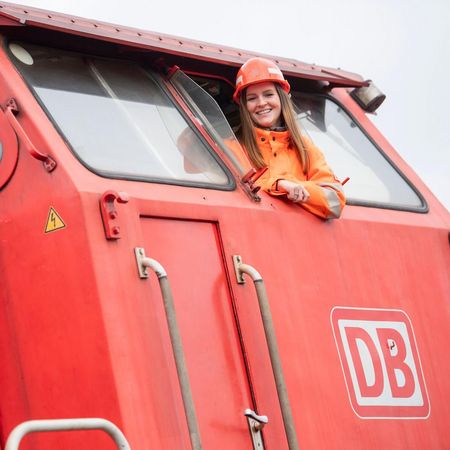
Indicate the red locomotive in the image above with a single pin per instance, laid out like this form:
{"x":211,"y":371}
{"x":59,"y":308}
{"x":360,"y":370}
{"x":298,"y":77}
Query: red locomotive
{"x":149,"y":290}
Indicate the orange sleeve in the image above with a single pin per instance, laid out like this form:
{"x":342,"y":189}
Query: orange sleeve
{"x":327,"y":198}
{"x":269,"y":183}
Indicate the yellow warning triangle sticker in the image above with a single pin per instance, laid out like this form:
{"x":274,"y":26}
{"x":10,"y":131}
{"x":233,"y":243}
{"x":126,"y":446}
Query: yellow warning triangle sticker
{"x":54,"y":221}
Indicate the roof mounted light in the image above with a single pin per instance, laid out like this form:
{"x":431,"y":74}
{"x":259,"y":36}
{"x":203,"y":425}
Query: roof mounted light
{"x":368,"y":97}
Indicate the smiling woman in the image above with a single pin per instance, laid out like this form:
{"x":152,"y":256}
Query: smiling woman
{"x":272,"y":138}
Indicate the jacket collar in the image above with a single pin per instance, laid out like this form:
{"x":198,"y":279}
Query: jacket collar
{"x":283,"y":136}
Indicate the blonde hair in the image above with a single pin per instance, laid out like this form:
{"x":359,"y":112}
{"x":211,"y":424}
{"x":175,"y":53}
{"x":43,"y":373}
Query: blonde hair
{"x":248,"y":135}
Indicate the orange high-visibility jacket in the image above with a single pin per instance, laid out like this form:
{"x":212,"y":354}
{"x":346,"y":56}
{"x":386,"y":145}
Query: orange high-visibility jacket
{"x":327,"y":197}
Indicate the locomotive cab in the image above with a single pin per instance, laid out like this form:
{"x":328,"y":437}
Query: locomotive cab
{"x":115,"y":162}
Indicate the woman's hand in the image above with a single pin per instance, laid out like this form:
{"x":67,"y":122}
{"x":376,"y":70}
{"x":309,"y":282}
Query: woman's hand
{"x":295,"y":191}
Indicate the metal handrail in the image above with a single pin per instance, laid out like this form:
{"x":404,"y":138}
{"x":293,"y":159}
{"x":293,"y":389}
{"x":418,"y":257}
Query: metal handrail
{"x":271,"y":340}
{"x":34,"y":426}
{"x":175,"y":338}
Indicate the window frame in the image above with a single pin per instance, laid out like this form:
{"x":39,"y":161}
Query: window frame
{"x":422,"y":209}
{"x":159,"y":81}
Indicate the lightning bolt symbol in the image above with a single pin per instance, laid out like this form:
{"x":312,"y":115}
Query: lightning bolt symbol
{"x":54,"y":222}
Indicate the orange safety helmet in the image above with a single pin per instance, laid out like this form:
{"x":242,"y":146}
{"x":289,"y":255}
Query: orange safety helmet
{"x":258,"y":70}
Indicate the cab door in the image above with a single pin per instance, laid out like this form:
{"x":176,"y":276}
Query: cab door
{"x":191,"y":253}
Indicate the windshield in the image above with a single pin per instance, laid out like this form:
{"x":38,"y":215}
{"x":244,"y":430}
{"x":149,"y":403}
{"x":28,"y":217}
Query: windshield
{"x":118,"y":119}
{"x":372,"y":178}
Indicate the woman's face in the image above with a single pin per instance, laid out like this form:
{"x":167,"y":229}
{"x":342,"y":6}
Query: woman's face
{"x":263,"y":104}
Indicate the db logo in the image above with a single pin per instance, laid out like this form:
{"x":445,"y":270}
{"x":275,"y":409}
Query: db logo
{"x":381,"y":363}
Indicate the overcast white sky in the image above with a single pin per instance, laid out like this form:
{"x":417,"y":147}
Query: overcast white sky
{"x":402,"y":45}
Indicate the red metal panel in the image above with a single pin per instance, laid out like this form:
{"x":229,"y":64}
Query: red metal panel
{"x":59,"y":363}
{"x":309,"y":268}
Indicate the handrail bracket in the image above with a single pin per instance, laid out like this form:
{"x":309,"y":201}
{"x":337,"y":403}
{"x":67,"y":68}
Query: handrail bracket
{"x":237,"y":262}
{"x":140,"y":256}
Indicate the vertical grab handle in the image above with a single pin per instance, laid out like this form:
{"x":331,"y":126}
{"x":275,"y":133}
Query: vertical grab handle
{"x":183,"y":377}
{"x":271,"y":339}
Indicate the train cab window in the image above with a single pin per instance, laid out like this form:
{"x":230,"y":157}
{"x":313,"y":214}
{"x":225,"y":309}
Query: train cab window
{"x":118,"y":119}
{"x":374,"y":181}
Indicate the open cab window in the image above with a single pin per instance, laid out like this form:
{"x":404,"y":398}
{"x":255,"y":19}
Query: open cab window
{"x":373,"y":178}
{"x":209,"y":114}
{"x":118,"y":119}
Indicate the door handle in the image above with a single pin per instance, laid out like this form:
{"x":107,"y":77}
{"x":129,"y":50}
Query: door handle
{"x":255,"y":425}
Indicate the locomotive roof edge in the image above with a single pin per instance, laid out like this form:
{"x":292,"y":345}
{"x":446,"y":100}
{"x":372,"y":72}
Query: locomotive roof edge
{"x":20,"y":15}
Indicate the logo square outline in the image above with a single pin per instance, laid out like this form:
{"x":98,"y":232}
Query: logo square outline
{"x":373,"y":315}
